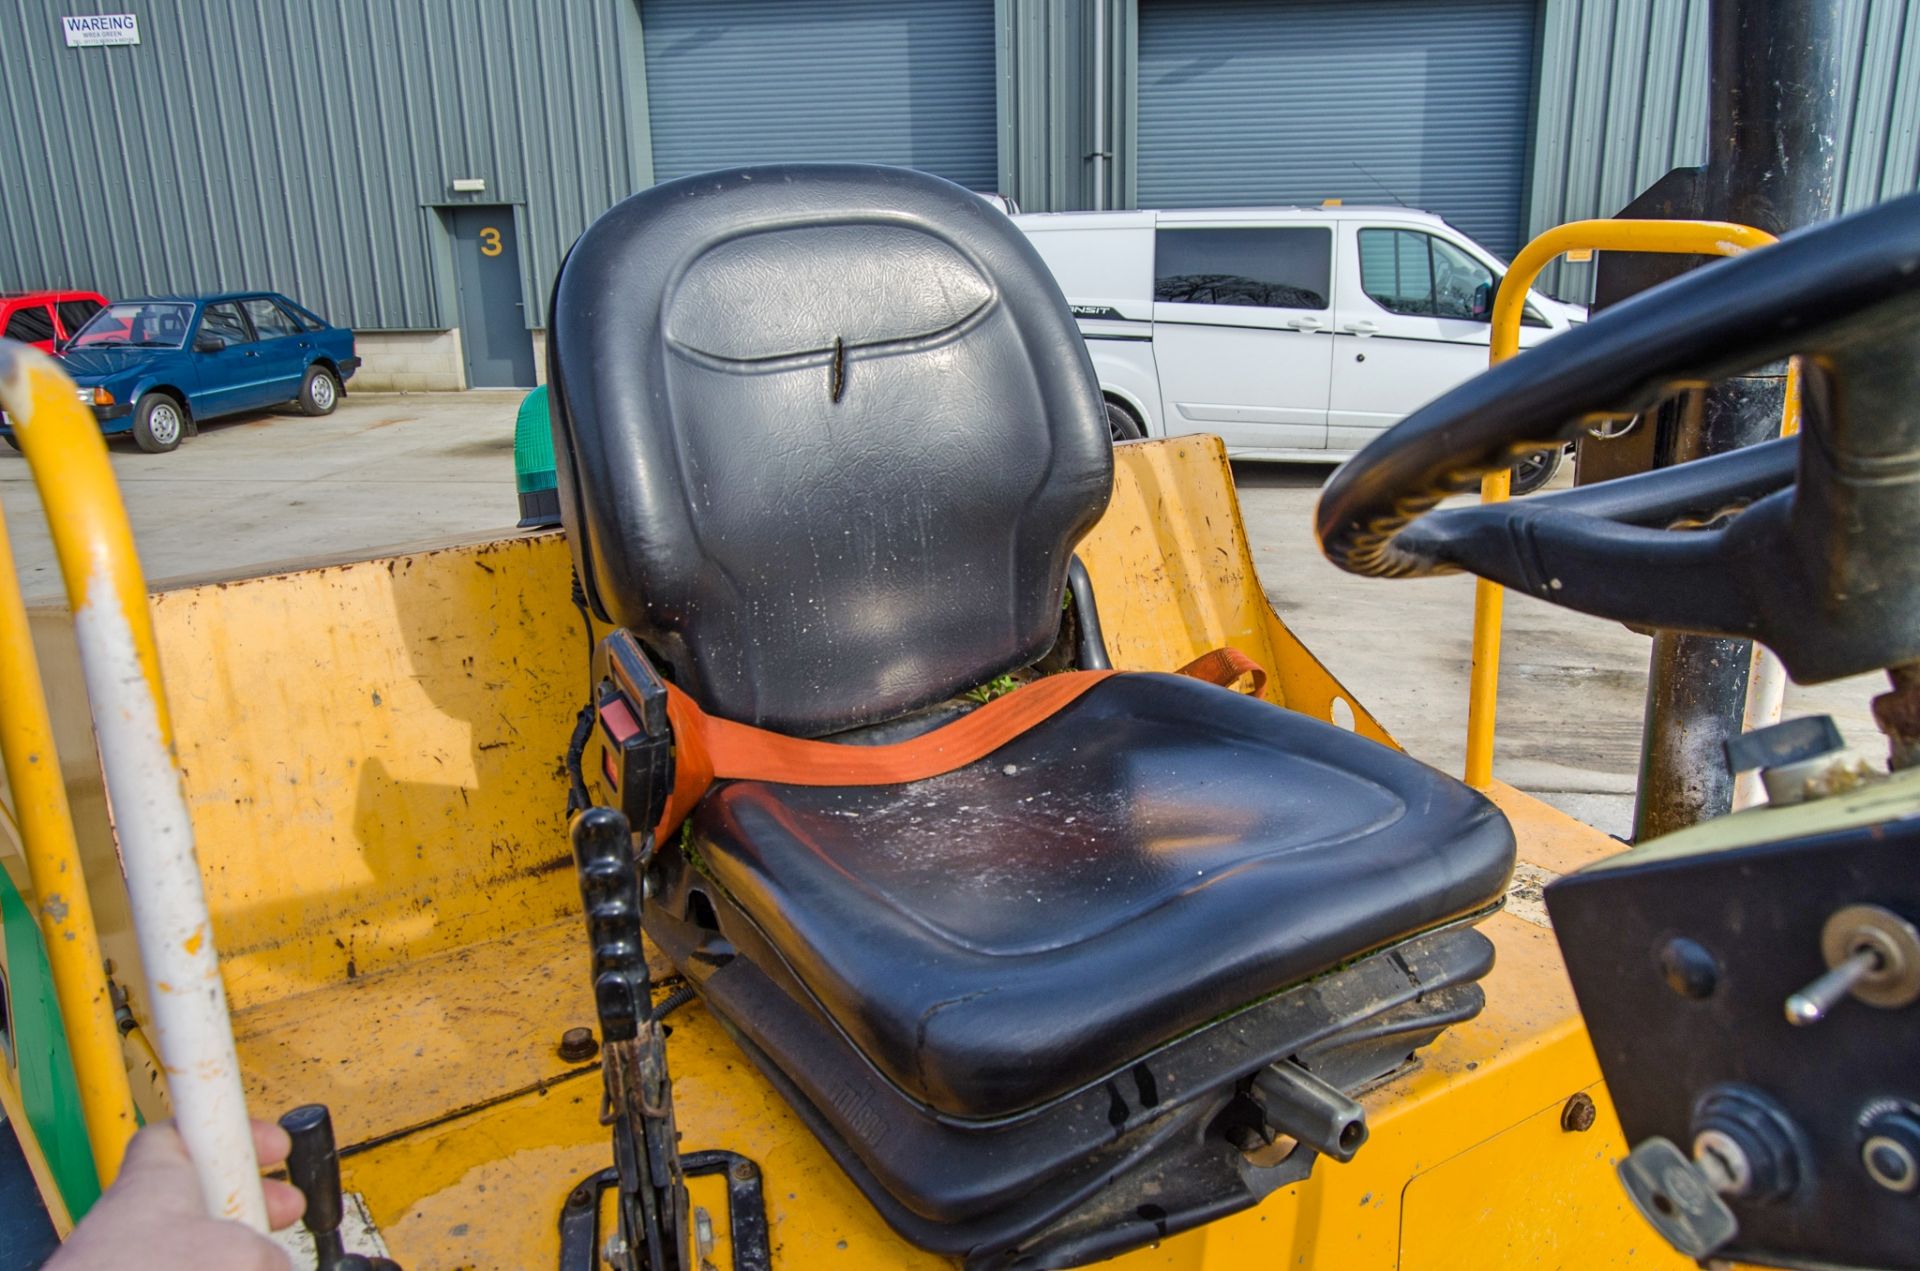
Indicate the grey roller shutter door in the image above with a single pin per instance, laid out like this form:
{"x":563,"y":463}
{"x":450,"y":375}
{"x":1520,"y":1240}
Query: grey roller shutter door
{"x":875,"y":81}
{"x":1295,"y":101}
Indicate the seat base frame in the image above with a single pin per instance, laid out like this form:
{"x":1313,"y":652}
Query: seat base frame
{"x":1153,"y":1148}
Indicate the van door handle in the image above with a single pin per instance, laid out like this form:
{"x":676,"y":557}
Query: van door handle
{"x":1362,"y":327}
{"x":1304,"y":324}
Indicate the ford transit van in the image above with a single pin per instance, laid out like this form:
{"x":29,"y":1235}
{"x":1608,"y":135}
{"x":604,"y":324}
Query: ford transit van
{"x":1293,"y":333}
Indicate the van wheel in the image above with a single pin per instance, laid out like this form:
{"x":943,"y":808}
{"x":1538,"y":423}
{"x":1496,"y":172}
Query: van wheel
{"x":1123,"y":424}
{"x":319,"y":392}
{"x":159,"y":422}
{"x":1535,"y":470}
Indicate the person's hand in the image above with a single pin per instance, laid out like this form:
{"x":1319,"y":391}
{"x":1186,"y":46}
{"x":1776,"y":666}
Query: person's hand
{"x":153,"y":1217}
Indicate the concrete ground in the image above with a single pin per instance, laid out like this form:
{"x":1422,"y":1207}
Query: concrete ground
{"x":1572,"y":688}
{"x":382,"y":470}
{"x":392,"y":469}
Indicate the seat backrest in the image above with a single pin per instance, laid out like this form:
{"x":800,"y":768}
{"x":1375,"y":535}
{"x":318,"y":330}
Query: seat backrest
{"x":825,"y":438}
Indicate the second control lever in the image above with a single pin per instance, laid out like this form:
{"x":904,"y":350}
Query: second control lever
{"x":314,"y":1167}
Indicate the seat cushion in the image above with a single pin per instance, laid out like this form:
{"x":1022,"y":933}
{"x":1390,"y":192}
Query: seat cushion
{"x":1159,"y":854}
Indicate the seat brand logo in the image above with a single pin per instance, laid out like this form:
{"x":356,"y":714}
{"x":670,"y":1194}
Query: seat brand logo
{"x":860,"y":1115}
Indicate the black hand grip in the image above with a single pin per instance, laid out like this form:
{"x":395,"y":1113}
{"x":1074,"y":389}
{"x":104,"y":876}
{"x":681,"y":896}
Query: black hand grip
{"x":1590,"y":549}
{"x":610,"y":892}
{"x":314,"y":1167}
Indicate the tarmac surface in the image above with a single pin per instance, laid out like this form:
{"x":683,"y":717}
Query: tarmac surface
{"x":387,"y":470}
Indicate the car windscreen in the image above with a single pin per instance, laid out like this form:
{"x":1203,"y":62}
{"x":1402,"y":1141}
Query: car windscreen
{"x":137,"y":324}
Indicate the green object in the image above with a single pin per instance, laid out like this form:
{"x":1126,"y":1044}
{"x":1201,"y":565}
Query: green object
{"x":48,"y":1090}
{"x":998,"y":686}
{"x":533,"y":462}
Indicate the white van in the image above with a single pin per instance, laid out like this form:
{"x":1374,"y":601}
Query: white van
{"x":1293,"y":333}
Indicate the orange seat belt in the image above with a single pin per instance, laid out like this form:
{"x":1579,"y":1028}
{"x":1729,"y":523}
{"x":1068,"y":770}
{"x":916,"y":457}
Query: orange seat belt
{"x":707,"y":749}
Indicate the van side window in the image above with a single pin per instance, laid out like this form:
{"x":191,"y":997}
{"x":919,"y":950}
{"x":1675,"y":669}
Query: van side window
{"x":1405,"y":271}
{"x":1280,"y":268}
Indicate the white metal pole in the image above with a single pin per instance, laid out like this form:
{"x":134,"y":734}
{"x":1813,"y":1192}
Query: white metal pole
{"x":1766,"y":696}
{"x":193,"y":1031}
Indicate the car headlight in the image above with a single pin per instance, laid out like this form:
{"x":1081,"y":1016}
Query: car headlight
{"x":94,"y":397}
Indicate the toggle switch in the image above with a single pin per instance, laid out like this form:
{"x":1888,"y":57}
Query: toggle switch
{"x":1872,"y":954}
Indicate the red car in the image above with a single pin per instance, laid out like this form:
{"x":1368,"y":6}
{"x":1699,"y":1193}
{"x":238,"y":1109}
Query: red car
{"x":41,"y":317}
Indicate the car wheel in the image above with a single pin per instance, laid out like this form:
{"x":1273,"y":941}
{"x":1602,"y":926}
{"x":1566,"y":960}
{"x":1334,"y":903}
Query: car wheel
{"x":11,"y":440}
{"x":159,"y":422}
{"x":319,"y":392}
{"x":1123,"y":424}
{"x":1535,"y":470}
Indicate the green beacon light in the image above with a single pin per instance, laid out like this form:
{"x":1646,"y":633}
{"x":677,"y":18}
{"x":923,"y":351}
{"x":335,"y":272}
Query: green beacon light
{"x":533,"y":463}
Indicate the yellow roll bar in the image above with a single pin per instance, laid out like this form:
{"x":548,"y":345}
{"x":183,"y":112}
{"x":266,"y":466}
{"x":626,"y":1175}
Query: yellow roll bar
{"x":1691,"y":238}
{"x":59,"y":889}
{"x":132,"y":728}
{"x":52,"y":853}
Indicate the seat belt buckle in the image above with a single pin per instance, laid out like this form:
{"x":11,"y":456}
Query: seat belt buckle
{"x":633,"y":739}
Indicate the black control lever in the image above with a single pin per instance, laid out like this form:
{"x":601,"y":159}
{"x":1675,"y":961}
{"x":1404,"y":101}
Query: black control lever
{"x":632,"y":767}
{"x":314,"y":1167}
{"x":653,"y":1193}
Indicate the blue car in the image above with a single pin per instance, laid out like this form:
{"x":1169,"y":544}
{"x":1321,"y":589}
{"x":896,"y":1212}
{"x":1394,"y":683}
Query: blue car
{"x":155,"y":368}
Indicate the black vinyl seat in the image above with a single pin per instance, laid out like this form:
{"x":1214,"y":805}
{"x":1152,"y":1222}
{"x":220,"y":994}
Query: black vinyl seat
{"x":826,"y":439}
{"x":1159,"y":854}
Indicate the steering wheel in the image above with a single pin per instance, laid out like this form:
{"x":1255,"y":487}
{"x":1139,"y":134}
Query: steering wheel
{"x":1812,"y":543}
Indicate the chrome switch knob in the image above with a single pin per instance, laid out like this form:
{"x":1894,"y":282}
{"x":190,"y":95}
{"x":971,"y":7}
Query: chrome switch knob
{"x":1872,"y":953}
{"x":1811,"y":1004}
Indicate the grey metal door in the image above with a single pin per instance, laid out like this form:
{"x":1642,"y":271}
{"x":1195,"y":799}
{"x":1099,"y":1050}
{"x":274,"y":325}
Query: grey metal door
{"x":869,"y":81}
{"x":493,"y":317}
{"x":1370,"y":101}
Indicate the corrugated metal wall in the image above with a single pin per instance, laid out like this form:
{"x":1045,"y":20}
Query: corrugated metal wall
{"x":305,"y":146}
{"x":1622,"y":100}
{"x":1880,"y":152}
{"x":302,"y":146}
{"x":1049,"y":87}
{"x":1046,"y":98}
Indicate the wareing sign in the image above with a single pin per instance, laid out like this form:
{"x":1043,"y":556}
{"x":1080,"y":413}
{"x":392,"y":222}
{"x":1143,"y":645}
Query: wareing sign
{"x":101,"y":28}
